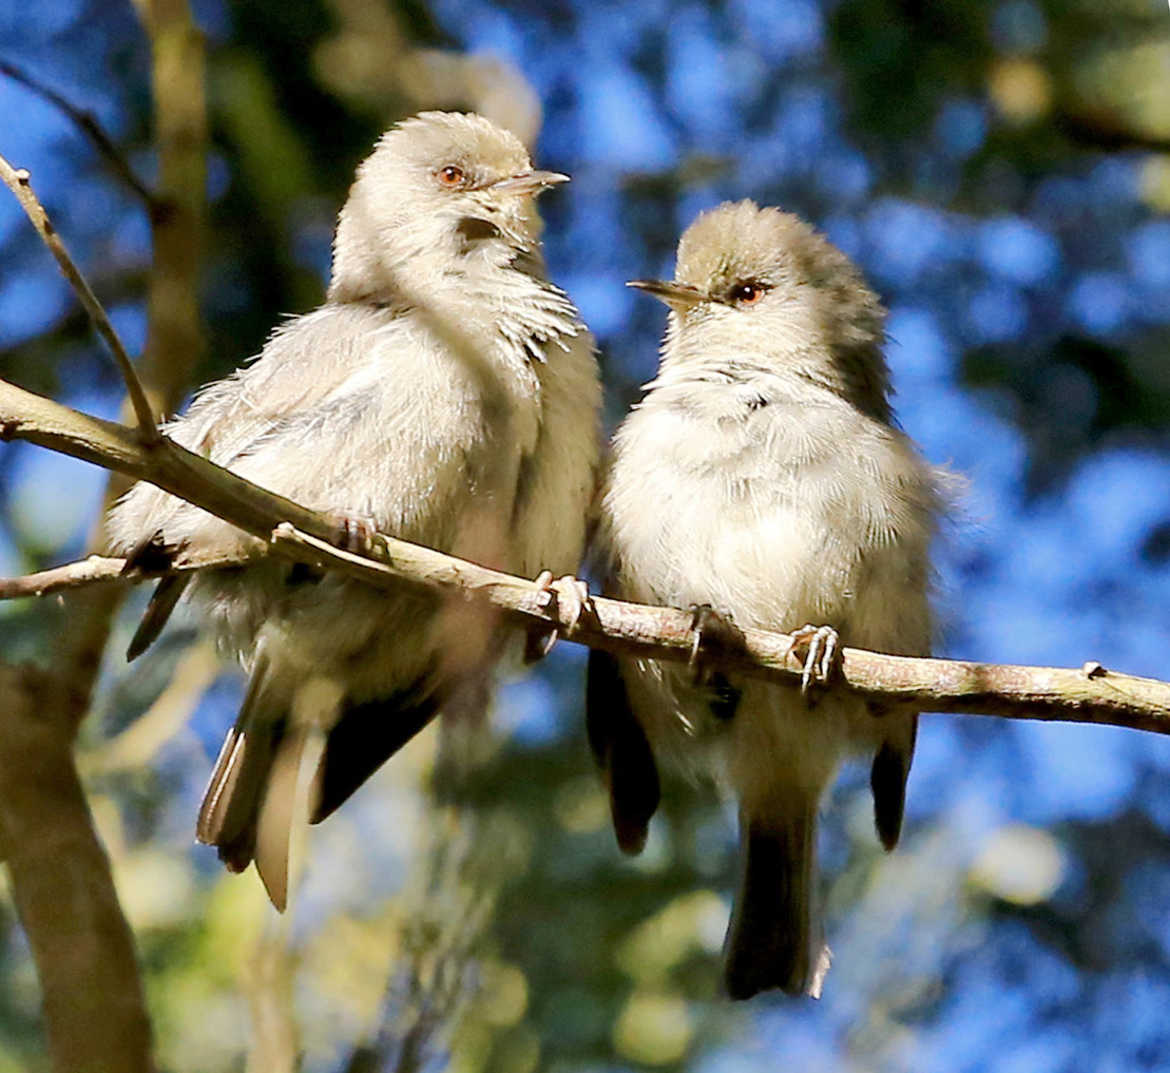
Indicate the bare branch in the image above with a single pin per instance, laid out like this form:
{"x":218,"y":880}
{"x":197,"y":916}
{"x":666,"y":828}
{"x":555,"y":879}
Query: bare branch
{"x":1090,"y":694}
{"x":96,"y":570}
{"x":17,"y":180}
{"x":87,"y":123}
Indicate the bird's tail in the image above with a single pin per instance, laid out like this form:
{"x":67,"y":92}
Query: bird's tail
{"x":247,"y":808}
{"x":775,"y":939}
{"x":251,"y":800}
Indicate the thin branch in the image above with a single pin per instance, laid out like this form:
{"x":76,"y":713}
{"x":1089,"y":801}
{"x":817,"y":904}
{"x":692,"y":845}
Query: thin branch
{"x":87,"y":123}
{"x":173,"y":339}
{"x":99,"y":570}
{"x":1090,"y":694}
{"x":17,"y":180}
{"x":36,"y":419}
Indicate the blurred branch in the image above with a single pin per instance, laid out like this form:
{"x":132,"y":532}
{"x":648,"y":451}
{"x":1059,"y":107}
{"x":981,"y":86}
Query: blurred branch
{"x":92,"y":995}
{"x":1088,"y":695}
{"x":268,"y":983}
{"x":1106,"y":131}
{"x":93,"y":1002}
{"x":87,"y":123}
{"x":174,"y":337}
{"x":133,"y":748}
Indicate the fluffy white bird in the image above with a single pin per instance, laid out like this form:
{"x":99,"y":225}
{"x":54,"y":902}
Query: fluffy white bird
{"x":762,"y":475}
{"x":446,"y":393}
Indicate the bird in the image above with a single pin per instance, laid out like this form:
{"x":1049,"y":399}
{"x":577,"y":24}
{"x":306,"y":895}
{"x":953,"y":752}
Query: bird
{"x":763,"y":481}
{"x":445,"y":392}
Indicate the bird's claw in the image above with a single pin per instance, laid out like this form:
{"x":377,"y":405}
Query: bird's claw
{"x":712,"y":632}
{"x":821,"y":645}
{"x":567,"y":599}
{"x":354,"y":533}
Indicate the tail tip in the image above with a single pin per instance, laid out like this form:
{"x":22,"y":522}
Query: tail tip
{"x":746,"y":976}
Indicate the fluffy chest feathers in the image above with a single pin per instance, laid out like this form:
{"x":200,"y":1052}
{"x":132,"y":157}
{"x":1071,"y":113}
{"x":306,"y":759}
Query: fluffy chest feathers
{"x":502,"y":324}
{"x":780,"y":504}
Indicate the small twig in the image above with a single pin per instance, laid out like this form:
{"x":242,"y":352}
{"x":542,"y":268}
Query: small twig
{"x":99,"y":570}
{"x":17,"y":180}
{"x":89,"y":126}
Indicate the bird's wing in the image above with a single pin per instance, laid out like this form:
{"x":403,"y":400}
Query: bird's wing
{"x":362,"y":740}
{"x":622,"y":751}
{"x":887,"y":779}
{"x":352,"y":437}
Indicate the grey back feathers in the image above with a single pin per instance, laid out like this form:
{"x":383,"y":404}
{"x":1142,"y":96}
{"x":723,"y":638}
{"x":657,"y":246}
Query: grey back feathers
{"x":446,"y":392}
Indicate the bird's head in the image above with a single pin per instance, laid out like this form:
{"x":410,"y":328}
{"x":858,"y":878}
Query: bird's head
{"x":441,"y":191}
{"x":760,"y":286}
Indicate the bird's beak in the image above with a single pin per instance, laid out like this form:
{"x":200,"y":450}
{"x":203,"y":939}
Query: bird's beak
{"x":530,"y":182}
{"x":679,"y":296}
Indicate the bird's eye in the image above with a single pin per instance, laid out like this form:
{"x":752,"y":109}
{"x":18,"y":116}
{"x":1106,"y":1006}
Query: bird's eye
{"x":452,"y":175}
{"x":746,"y":294}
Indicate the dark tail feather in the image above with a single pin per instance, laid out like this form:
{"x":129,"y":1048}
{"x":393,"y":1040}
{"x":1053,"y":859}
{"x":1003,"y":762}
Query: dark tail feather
{"x":250,"y":804}
{"x":775,"y":938}
{"x":213,"y":828}
{"x":361,"y":741}
{"x":887,"y":780}
{"x":622,"y":752}
{"x":162,"y":603}
{"x":241,"y":769}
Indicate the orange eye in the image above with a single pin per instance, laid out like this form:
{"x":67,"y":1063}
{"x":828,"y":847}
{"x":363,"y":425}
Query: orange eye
{"x":746,"y":294}
{"x":451,"y":175}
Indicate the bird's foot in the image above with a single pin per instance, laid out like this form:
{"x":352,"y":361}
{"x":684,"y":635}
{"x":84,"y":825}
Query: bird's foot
{"x":714,"y":635}
{"x":567,"y":594}
{"x":355,"y":533}
{"x":821,"y":649}
{"x":151,"y":554}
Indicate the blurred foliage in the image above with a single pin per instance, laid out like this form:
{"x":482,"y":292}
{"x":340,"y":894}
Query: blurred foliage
{"x":1000,"y":170}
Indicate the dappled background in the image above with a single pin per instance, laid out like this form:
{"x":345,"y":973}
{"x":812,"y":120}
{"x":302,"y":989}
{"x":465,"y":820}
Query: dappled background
{"x":1002,"y":173}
